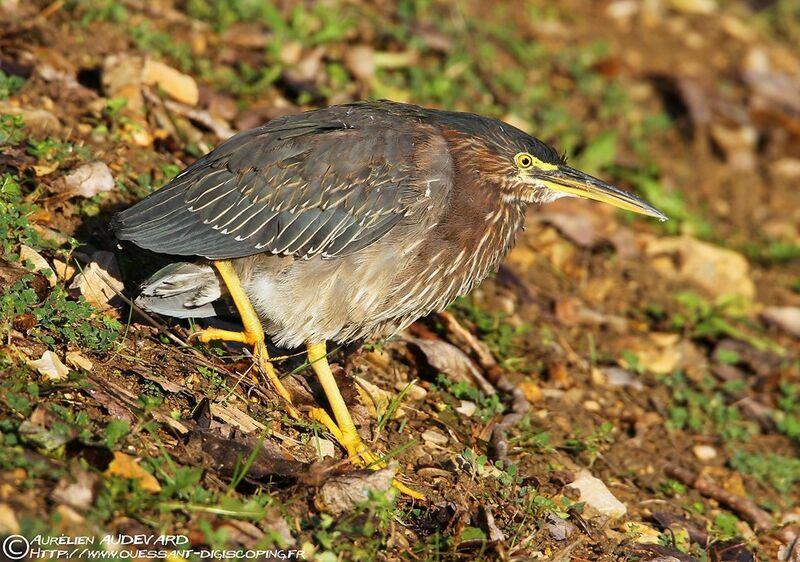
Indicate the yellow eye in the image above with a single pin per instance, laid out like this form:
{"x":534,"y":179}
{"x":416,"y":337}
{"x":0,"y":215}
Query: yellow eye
{"x":523,"y":160}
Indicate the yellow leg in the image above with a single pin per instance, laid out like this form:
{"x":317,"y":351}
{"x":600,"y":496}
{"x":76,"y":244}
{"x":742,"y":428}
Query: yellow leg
{"x":252,"y":335}
{"x":344,"y":430}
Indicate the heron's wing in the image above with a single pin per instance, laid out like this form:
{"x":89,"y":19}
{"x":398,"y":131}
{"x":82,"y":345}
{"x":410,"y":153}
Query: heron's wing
{"x":327,"y":182}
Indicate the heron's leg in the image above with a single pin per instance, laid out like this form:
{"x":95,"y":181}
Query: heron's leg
{"x":343,"y":429}
{"x":253,"y":333}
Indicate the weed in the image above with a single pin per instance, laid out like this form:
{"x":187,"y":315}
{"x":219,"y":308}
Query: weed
{"x":10,"y":85}
{"x":704,"y":319}
{"x":15,"y":228}
{"x":501,"y":337}
{"x":704,"y":410}
{"x":779,"y":471}
{"x":488,"y":405}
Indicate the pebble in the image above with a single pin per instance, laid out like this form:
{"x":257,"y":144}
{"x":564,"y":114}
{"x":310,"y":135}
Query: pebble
{"x":596,"y":495}
{"x":704,"y":452}
{"x":431,"y":436}
{"x":467,"y":408}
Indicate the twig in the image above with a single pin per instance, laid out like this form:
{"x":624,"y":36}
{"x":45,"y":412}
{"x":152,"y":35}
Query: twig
{"x":747,"y":508}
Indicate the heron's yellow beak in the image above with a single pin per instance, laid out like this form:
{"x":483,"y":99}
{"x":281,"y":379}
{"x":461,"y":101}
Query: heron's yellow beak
{"x":574,"y":182}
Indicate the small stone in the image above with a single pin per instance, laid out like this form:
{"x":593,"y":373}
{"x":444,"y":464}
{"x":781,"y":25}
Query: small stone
{"x":597,"y":496}
{"x":178,"y":85}
{"x":717,"y":270}
{"x":591,"y":406}
{"x":434,"y":437}
{"x":466,"y":408}
{"x":325,"y":448}
{"x":787,"y":318}
{"x":340,"y":494}
{"x":619,"y":377}
{"x":414,"y":392}
{"x":704,"y":452}
{"x":40,"y":122}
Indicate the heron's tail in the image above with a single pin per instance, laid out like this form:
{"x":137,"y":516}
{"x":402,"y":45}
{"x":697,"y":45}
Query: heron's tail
{"x":184,"y":290}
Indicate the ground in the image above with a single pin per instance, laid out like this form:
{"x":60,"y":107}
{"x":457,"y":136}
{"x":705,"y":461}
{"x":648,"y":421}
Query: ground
{"x":654,"y":365}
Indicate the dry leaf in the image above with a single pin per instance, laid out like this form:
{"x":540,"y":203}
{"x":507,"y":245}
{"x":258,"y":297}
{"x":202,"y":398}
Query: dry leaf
{"x":26,"y":253}
{"x":127,"y":466}
{"x":341,"y":494}
{"x":78,"y":361}
{"x":99,"y":282}
{"x":88,"y":180}
{"x":50,"y":366}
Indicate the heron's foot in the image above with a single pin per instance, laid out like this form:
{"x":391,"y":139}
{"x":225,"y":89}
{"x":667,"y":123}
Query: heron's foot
{"x":261,"y":359}
{"x":358,"y":452}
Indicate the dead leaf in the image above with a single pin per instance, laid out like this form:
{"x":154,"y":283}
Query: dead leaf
{"x":76,"y":490}
{"x":87,"y":180}
{"x":8,"y":521}
{"x":127,"y":466}
{"x":99,"y":282}
{"x":340,"y":494}
{"x":450,"y":360}
{"x":50,"y":366}
{"x":232,"y":415}
{"x":78,"y":361}
{"x":40,"y":265}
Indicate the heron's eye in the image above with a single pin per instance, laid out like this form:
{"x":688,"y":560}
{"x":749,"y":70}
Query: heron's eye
{"x":523,"y":160}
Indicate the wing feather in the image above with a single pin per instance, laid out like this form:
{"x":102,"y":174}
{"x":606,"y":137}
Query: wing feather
{"x":327,"y":182}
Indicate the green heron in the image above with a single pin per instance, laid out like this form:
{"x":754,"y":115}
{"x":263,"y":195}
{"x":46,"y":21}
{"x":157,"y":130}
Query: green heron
{"x":346,"y":223}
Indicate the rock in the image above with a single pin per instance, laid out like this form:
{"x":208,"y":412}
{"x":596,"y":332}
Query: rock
{"x":619,"y":377}
{"x":122,"y":78}
{"x":704,"y":452}
{"x":26,"y":253}
{"x":40,"y":122}
{"x":175,"y":83}
{"x":8,"y":521}
{"x":597,"y":496}
{"x":88,"y":180}
{"x":787,"y":318}
{"x":99,"y":282}
{"x":341,"y":494}
{"x":466,"y":408}
{"x":434,"y":437}
{"x":717,"y":270}
{"x":360,"y":61}
{"x":325,"y":448}
{"x":50,"y":366}
{"x":414,"y":392}
{"x":558,"y":528}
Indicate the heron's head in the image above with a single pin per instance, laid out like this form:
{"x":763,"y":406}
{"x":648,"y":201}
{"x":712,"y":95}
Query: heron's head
{"x":526,"y":169}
